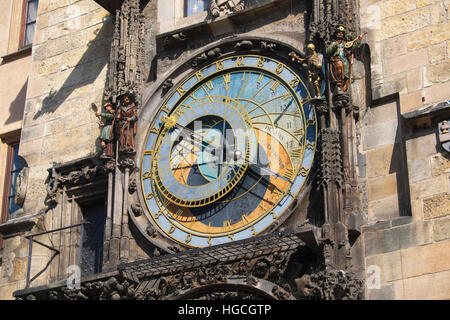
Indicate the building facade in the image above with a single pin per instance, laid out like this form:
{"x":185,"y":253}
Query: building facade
{"x":272,"y":149}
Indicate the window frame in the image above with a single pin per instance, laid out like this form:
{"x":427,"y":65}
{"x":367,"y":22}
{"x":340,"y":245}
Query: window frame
{"x":24,"y":23}
{"x":11,"y":144}
{"x":185,"y":8}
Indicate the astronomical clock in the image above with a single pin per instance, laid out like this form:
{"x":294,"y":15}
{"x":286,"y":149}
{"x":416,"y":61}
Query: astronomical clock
{"x":227,"y":151}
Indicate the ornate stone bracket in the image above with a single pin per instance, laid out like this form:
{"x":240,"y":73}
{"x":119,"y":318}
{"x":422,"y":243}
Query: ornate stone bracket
{"x":224,"y":7}
{"x":76,"y":173}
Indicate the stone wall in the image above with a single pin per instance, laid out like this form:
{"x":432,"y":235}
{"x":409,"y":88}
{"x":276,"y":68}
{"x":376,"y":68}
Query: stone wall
{"x":68,"y":73}
{"x":407,"y":172}
{"x":410,"y":49}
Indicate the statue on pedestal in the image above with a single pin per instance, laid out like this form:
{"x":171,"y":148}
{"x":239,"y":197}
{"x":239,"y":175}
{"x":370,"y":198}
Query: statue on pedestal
{"x":340,"y":53}
{"x":106,"y":123}
{"x":316,"y":69}
{"x":126,"y":120}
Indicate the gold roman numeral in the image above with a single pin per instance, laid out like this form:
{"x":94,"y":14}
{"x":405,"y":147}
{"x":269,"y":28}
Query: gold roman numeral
{"x":226,"y":80}
{"x":261,"y":76}
{"x":286,"y":96}
{"x":155,"y":130}
{"x":165,"y":109}
{"x":219,"y":65}
{"x":289,"y":174}
{"x":279,"y":69}
{"x":199,"y":75}
{"x":146,"y":175}
{"x":296,"y":153}
{"x":227,"y":225}
{"x":181,"y":91}
{"x":209,"y":85}
{"x":260,"y":62}
{"x":274,"y":86}
{"x":299,"y":132}
{"x":240,"y":61}
{"x":188,"y":238}
{"x":294,"y":82}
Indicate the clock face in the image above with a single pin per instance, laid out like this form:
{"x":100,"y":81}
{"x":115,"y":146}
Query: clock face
{"x":228,"y":151}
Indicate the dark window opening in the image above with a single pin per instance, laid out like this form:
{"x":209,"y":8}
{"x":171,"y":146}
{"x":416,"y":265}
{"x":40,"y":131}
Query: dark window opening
{"x":92,"y":238}
{"x":13,"y":168}
{"x":16,"y":167}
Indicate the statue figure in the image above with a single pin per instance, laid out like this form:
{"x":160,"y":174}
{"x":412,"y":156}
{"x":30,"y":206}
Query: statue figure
{"x":221,"y":7}
{"x":126,"y":119}
{"x":106,"y":123}
{"x":316,"y":68}
{"x":340,"y":53}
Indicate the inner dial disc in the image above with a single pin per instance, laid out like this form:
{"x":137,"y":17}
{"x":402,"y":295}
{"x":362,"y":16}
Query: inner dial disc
{"x":205,"y":154}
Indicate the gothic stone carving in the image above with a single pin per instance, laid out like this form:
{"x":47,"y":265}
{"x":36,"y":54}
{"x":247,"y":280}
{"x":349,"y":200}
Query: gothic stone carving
{"x":224,"y":7}
{"x":127,"y":53}
{"x":330,"y":159}
{"x":330,"y":285}
{"x":114,"y":288}
{"x":270,"y":268}
{"x":74,"y":174}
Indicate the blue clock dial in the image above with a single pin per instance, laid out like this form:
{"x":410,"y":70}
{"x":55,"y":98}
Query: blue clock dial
{"x":228,"y":151}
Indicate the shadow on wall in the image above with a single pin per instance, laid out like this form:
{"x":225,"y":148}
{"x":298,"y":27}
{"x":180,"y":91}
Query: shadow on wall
{"x":84,"y":73}
{"x":399,"y":166}
{"x":17,"y":106}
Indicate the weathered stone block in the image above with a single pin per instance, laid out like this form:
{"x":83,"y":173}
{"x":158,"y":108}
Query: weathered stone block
{"x":428,"y":287}
{"x":395,"y":47}
{"x":390,"y":240}
{"x":372,"y":243}
{"x":382,"y":187}
{"x":386,"y":292}
{"x":392,"y":266}
{"x":384,"y":209}
{"x":428,"y":36}
{"x":406,"y":62}
{"x":421,"y":147}
{"x":428,"y":188}
{"x":384,"y":133}
{"x":383,"y":160}
{"x":419,"y":169}
{"x":411,"y":101}
{"x":437,"y":93}
{"x":437,"y":206}
{"x":403,"y":23}
{"x":436,"y":257}
{"x":395,"y":7}
{"x":441,"y":229}
{"x":439,"y":72}
{"x":436,"y":53}
{"x":381,"y":113}
{"x":412,"y":262}
{"x":414,"y":79}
